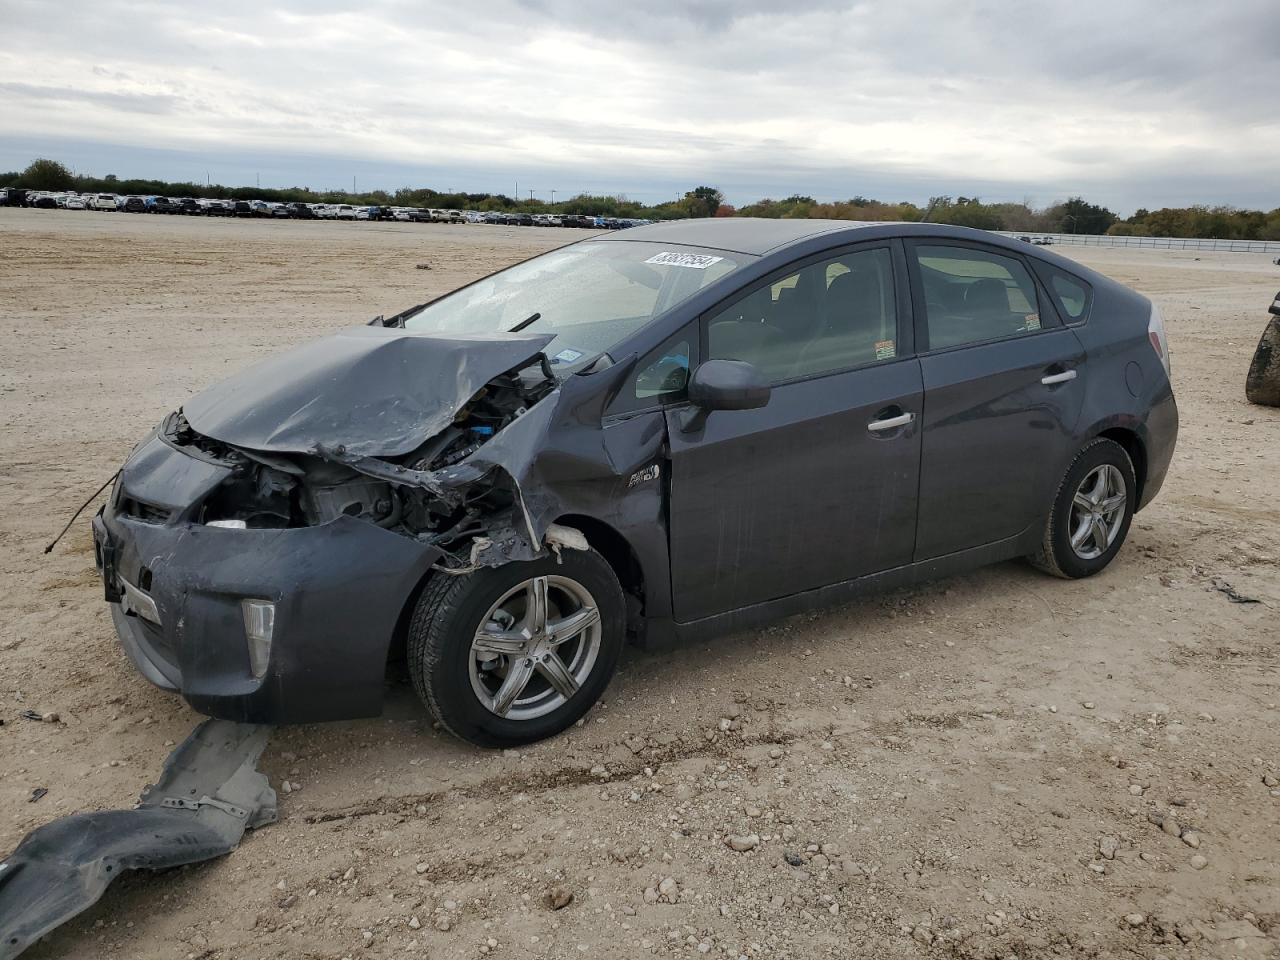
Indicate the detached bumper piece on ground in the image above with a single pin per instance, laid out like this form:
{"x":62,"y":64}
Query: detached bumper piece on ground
{"x":207,"y":796}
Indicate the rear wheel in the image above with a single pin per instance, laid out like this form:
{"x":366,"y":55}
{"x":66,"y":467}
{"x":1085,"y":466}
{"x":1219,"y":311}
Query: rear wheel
{"x":514,"y":654}
{"x":1091,"y":512}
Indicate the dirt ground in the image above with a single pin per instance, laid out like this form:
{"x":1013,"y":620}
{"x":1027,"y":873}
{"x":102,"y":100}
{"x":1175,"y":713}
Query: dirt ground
{"x":969,"y":769}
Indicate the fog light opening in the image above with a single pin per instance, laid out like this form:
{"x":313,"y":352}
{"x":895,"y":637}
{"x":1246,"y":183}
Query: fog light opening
{"x":259,"y":623}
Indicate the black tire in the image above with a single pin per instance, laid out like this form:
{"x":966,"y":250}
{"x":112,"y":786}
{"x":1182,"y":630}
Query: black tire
{"x":1056,"y":556}
{"x":446,"y":618}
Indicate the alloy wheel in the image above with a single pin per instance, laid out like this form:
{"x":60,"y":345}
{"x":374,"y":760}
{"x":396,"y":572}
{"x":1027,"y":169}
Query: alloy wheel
{"x":1098,"y":511}
{"x":535,"y":647}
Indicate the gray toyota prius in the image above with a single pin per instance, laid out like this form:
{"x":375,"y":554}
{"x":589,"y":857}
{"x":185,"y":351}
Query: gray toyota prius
{"x":683,"y":429}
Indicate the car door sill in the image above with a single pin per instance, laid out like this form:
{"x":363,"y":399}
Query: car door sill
{"x":661,"y":632}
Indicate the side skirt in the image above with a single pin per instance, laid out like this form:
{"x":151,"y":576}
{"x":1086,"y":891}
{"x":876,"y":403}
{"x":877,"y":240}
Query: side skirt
{"x":663,"y":632}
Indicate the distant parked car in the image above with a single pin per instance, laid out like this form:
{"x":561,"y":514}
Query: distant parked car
{"x":159,"y":205}
{"x":45,"y":202}
{"x":103,"y":201}
{"x":344,"y":211}
{"x":76,"y":203}
{"x":299,"y":211}
{"x":134,"y":205}
{"x":521,"y":219}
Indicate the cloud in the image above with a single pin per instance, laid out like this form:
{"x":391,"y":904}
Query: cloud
{"x":911,"y":97}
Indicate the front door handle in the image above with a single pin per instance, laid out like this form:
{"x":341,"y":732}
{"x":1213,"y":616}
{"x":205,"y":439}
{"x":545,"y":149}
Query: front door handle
{"x":1052,"y":378}
{"x":891,"y":423}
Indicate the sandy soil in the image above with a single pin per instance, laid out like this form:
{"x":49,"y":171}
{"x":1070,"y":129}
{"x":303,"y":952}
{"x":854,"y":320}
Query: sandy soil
{"x":968,"y":769}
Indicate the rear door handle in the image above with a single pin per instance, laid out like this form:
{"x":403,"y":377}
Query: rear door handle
{"x":891,"y":423}
{"x":1053,"y":378}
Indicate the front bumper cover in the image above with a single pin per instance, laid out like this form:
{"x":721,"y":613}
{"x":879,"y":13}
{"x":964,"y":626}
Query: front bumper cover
{"x":339,"y":590}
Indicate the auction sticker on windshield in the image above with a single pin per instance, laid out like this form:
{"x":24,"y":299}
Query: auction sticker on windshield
{"x":695,"y":261}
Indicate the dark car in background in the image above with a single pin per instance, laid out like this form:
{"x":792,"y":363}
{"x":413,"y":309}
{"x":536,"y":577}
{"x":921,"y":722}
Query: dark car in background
{"x":134,"y":205}
{"x":300,"y":211}
{"x":680,"y":430}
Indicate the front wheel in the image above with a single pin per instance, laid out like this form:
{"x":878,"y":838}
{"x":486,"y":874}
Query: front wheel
{"x":1091,"y":513}
{"x":513,"y":654}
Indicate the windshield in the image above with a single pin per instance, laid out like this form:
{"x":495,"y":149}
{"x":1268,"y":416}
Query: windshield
{"x":590,"y":296}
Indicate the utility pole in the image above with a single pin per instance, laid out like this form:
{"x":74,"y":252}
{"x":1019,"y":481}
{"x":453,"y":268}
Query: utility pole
{"x":353,"y":184}
{"x":553,"y":198}
{"x":531,"y":195}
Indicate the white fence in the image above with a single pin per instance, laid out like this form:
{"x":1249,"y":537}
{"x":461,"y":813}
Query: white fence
{"x":1155,"y":243}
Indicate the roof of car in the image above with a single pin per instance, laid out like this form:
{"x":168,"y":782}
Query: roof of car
{"x":758,"y":236}
{"x":752,"y":235}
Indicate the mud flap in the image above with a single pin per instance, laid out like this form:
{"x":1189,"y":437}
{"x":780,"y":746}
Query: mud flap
{"x":208,"y":794}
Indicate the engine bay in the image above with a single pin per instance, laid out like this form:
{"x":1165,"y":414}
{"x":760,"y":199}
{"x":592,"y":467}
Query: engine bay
{"x":274,"y":490}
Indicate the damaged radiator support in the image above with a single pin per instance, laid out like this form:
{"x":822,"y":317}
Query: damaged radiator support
{"x":208,"y":794}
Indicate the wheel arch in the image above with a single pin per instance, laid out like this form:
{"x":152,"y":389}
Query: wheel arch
{"x":602,"y":537}
{"x":622,"y":559}
{"x":1135,"y":448}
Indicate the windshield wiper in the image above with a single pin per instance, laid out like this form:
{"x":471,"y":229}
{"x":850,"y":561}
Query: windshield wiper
{"x":398,"y":319}
{"x":527,"y":321}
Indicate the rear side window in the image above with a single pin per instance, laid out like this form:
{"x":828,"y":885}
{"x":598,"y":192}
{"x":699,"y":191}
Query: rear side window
{"x":973,"y":296}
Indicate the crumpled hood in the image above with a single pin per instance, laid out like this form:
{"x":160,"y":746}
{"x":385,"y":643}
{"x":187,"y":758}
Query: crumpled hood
{"x":378,"y":391}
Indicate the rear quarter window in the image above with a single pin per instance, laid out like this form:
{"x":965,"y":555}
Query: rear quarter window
{"x":1071,"y":296}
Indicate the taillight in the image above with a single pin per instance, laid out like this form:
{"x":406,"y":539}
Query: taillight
{"x":1159,"y":342}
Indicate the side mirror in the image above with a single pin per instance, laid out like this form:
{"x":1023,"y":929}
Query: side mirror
{"x":728,"y":385}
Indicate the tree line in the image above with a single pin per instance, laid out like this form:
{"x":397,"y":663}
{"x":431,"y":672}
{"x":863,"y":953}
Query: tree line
{"x":1074,"y":215}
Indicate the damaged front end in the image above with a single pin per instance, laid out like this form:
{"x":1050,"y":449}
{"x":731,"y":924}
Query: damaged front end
{"x":474,"y":514}
{"x":267,"y":531}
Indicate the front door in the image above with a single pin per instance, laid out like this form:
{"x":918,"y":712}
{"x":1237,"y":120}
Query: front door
{"x":819,"y":486}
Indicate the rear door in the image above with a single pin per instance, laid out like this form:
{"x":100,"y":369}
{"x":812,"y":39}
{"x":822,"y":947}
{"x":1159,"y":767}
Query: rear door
{"x":819,"y":486}
{"x":1003,"y":387}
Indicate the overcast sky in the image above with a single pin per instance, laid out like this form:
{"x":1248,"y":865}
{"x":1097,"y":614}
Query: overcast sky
{"x":1127,"y":102}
